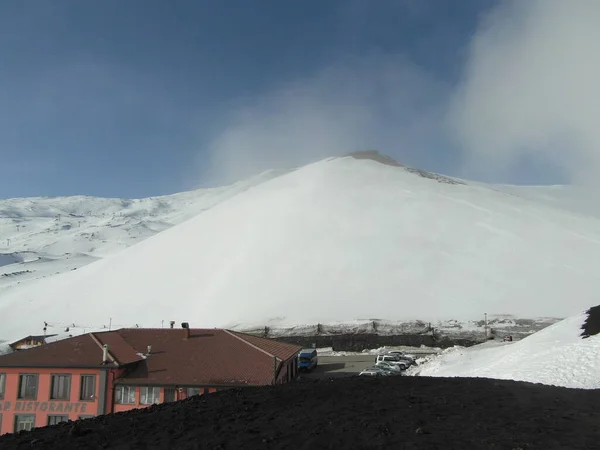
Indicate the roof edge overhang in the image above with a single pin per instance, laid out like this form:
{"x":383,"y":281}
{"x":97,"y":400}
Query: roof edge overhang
{"x":256,"y":347}
{"x":125,"y":381}
{"x":57,"y":366}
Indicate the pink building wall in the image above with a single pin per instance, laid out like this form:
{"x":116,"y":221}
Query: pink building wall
{"x":74,"y":408}
{"x":43,"y":406}
{"x":128,"y":407}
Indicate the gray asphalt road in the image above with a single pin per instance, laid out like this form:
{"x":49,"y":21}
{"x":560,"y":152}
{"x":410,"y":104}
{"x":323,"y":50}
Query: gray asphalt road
{"x":340,"y":366}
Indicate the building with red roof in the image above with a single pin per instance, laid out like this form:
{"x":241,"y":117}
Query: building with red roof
{"x":114,"y":371}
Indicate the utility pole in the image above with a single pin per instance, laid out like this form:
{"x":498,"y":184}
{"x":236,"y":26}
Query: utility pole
{"x":485,"y":325}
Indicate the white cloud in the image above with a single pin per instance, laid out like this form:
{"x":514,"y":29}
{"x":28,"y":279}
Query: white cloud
{"x":376,"y":102}
{"x":529,"y":91}
{"x":531,"y":87}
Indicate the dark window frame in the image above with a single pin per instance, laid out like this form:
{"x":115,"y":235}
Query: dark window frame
{"x":187,"y":392}
{"x":85,"y":416}
{"x":2,"y":385}
{"x":20,"y":395}
{"x":171,"y":396}
{"x":68,"y":393}
{"x":148,"y":388}
{"x":65,"y":418}
{"x":125,"y":386}
{"x":20,"y":416}
{"x":81,"y":384}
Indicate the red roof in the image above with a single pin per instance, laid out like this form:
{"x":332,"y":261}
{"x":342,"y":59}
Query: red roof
{"x":79,"y":351}
{"x":119,"y":350}
{"x":276,"y":348}
{"x":208,"y":357}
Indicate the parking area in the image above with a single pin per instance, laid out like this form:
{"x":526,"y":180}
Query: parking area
{"x":349,"y":365}
{"x":340,"y":366}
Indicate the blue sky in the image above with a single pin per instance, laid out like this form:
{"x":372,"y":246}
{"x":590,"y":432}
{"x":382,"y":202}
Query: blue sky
{"x":133,"y":98}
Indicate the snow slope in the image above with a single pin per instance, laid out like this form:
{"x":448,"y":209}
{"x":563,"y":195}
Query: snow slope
{"x":556,"y":355}
{"x":340,"y":240}
{"x":40,"y":237}
{"x":576,"y":199}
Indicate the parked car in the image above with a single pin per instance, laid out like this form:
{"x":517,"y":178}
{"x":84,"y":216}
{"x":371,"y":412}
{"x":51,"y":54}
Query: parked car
{"x":386,"y":365}
{"x":401,"y":353}
{"x":388,"y":368}
{"x":371,"y":373}
{"x":395,"y":360}
{"x":374,"y":372}
{"x":403,"y":356}
{"x":307,"y":359}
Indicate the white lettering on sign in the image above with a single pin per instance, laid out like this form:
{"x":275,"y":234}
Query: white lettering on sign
{"x":43,"y":406}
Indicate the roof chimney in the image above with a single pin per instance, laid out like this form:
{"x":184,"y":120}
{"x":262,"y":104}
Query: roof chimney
{"x":172,"y":323}
{"x":105,"y":354}
{"x":148,"y":350}
{"x":186,"y":330}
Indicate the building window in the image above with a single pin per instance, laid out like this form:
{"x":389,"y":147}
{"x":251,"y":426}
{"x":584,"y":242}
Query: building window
{"x":88,"y":387}
{"x":85,"y":416}
{"x":28,"y":385}
{"x":2,"y":385}
{"x":24,"y":422}
{"x":193,"y":391}
{"x":170,"y":395}
{"x":53,"y":420}
{"x":60,"y":388}
{"x":149,"y":395}
{"x":125,"y":395}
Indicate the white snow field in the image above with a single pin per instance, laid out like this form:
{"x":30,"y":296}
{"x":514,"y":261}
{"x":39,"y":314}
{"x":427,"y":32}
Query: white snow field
{"x":42,"y":236}
{"x":556,"y":355}
{"x":339,"y":241}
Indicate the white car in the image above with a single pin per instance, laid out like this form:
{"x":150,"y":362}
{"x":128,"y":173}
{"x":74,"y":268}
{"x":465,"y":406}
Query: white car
{"x":387,"y":365}
{"x":402,"y":354}
{"x":394,"y":360}
{"x":373,"y":372}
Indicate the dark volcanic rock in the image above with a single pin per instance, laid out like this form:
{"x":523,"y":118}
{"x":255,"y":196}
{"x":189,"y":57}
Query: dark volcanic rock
{"x":591,"y":326}
{"x":374,"y":155}
{"x":352,"y":413}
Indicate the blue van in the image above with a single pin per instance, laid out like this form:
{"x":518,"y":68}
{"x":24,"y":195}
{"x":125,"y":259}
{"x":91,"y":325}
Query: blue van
{"x":307,"y":359}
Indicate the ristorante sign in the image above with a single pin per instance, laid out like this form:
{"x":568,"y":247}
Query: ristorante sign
{"x":64,"y":407}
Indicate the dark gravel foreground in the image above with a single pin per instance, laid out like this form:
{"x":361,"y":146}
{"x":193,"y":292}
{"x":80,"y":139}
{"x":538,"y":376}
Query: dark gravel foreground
{"x":351,"y":413}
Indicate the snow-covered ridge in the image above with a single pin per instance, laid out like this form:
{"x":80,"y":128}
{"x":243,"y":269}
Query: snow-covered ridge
{"x":471,"y":330}
{"x":557,"y":355}
{"x":45,"y":236}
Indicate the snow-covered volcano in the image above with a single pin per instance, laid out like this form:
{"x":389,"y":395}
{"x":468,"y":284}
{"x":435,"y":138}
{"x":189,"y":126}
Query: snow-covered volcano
{"x":339,"y":240}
